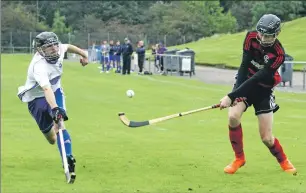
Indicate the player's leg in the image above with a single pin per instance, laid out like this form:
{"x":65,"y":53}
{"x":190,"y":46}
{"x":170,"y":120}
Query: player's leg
{"x":162,"y":63}
{"x":40,"y":111}
{"x":236,"y":137}
{"x":111,"y":63}
{"x":264,"y":111}
{"x":107,"y":61}
{"x":60,"y":100}
{"x":118,"y":57}
{"x":116,"y":63}
{"x":128,"y":65}
{"x":140,"y":64}
{"x":120,"y":62}
{"x":124,"y":66}
{"x":103,"y":63}
{"x":112,"y":60}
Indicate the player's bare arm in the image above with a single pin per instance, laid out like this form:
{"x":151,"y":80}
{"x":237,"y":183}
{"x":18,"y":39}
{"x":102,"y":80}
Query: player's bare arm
{"x":49,"y":94}
{"x":77,"y":50}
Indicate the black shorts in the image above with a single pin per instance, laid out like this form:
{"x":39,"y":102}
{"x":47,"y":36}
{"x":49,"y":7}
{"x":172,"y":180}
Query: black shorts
{"x":262,"y":100}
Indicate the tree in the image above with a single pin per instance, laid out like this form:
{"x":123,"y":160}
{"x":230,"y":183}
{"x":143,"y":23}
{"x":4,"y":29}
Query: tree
{"x":241,"y":11}
{"x":199,"y":19}
{"x":59,"y":25}
{"x":285,"y":10}
{"x":17,"y":22}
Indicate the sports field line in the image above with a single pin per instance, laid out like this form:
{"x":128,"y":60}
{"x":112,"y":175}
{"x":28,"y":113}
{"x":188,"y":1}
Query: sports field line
{"x":210,"y":89}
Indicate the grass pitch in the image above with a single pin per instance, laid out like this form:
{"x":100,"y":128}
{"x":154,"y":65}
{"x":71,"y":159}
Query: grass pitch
{"x":186,"y":154}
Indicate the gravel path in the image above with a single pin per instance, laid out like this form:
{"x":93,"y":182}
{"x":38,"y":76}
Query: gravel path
{"x":212,"y":75}
{"x":224,"y":76}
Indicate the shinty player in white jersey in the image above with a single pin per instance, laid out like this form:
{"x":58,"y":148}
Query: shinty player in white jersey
{"x":43,"y":92}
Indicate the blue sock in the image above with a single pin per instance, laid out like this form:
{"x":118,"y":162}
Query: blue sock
{"x":67,"y":142}
{"x":107,"y":67}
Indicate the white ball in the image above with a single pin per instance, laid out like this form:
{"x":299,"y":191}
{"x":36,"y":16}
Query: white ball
{"x":130,"y":93}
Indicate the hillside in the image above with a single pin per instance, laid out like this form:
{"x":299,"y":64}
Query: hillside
{"x":226,"y":49}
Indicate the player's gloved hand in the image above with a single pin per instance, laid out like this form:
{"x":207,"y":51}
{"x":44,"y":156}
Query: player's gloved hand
{"x":58,"y":114}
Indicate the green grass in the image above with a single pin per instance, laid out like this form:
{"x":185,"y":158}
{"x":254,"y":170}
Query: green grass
{"x":186,"y":154}
{"x":226,"y":49}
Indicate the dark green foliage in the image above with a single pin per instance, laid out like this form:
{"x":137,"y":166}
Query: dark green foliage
{"x":176,"y":22}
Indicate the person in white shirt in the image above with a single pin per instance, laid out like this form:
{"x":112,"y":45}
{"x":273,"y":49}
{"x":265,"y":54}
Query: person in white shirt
{"x":43,"y":93}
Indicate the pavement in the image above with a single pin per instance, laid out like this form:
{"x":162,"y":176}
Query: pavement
{"x":212,"y":75}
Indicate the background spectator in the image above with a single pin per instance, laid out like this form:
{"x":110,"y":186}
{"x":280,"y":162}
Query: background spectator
{"x":160,"y":50}
{"x":112,"y":49}
{"x":117,"y":55}
{"x":141,"y":51}
{"x":127,"y":50}
{"x":154,"y":49}
{"x":105,"y":56}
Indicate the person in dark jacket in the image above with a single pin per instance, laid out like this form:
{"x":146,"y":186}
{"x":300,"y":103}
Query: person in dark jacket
{"x":141,"y":52}
{"x":154,"y":50}
{"x":111,"y":54}
{"x":160,"y":50}
{"x":117,"y":55}
{"x":127,"y":51}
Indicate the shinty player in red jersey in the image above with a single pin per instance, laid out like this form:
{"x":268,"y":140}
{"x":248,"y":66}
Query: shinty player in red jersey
{"x":257,"y":76}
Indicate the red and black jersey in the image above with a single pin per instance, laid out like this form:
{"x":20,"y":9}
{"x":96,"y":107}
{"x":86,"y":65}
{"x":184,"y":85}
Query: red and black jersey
{"x":259,"y":66}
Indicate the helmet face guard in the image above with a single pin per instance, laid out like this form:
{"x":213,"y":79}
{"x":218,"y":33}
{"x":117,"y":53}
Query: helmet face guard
{"x":266,"y":40}
{"x":47,"y":45}
{"x":268,"y":28}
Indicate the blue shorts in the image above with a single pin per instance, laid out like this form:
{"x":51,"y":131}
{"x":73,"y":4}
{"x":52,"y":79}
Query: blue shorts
{"x":41,"y":111}
{"x":104,"y":59}
{"x":117,"y":58}
{"x":111,"y":57}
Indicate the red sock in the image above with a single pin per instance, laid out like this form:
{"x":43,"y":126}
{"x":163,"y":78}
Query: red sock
{"x":277,"y":151}
{"x":235,"y":135}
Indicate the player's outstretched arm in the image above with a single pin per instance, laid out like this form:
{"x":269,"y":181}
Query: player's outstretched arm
{"x":77,"y":50}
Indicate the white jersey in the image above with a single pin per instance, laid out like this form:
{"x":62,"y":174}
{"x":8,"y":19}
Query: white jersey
{"x":40,"y":74}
